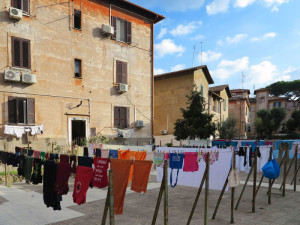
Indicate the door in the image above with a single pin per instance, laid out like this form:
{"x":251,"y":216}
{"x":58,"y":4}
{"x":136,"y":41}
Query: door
{"x":78,"y":131}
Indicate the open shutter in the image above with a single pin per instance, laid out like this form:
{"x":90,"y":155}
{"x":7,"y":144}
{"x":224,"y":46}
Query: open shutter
{"x":30,"y":111}
{"x":127,"y":117}
{"x":128,"y":32}
{"x":16,"y":52}
{"x":12,"y":110}
{"x":119,"y":72}
{"x":124,"y":73}
{"x":25,"y":53}
{"x":114,"y":24}
{"x":26,"y":6}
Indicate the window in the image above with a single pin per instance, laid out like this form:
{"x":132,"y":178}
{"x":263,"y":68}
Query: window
{"x":21,"y":110}
{"x":20,"y":52}
{"x":122,"y":30}
{"x":277,"y":104}
{"x":224,"y":105}
{"x":77,"y":19}
{"x":262,"y":99}
{"x":121,"y":117}
{"x":201,"y":90}
{"x":121,"y":72}
{"x":77,"y":68}
{"x":21,"y":4}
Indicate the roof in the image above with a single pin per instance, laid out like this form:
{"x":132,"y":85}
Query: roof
{"x":215,"y":94}
{"x":185,"y":72}
{"x":278,"y":98}
{"x":137,"y":9}
{"x":240,"y":90}
{"x":221,"y":88}
{"x":261,"y":89}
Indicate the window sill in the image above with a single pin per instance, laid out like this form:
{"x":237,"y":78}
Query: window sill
{"x":26,"y":14}
{"x":80,"y":78}
{"x":77,"y":29}
{"x":121,"y":42}
{"x":28,"y":70}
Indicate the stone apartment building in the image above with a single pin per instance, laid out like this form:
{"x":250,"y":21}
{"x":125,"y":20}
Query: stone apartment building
{"x":239,"y":106}
{"x":263,"y":100}
{"x":170,"y":90}
{"x":77,"y":67}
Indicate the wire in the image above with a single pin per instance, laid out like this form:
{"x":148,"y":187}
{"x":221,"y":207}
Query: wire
{"x":137,"y":108}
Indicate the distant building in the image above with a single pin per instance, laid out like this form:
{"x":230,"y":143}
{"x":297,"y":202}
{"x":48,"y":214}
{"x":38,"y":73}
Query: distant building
{"x":239,"y":106}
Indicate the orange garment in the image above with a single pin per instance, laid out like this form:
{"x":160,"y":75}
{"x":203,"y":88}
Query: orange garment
{"x":135,"y":155}
{"x":120,"y":169}
{"x":141,"y":171}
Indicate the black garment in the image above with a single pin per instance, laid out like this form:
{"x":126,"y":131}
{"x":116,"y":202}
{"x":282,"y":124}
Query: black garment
{"x":51,"y":198}
{"x":36,"y":176}
{"x":245,"y":156}
{"x":12,"y":159}
{"x":241,"y":151}
{"x":21,"y":168}
{"x":250,"y":156}
{"x":85,"y":161}
{"x":98,"y":152}
{"x":17,"y":150}
{"x":258,"y":152}
{"x":53,"y":156}
{"x":23,"y":151}
{"x":85,"y":152}
{"x":29,"y":152}
{"x":28,"y":168}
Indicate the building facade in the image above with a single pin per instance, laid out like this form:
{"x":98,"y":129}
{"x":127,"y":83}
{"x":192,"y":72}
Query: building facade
{"x":239,"y":106}
{"x":78,"y":68}
{"x":170,"y":90}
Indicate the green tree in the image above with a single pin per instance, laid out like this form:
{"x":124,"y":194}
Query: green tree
{"x":269,"y":121}
{"x":227,"y":129}
{"x":290,"y":89}
{"x":294,"y":122}
{"x":196,"y":122}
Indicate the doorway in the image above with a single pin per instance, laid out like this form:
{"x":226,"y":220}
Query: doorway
{"x":78,"y":131}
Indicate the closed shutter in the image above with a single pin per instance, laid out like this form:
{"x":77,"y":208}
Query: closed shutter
{"x":16,"y":52}
{"x":123,"y":117}
{"x":12,"y":110}
{"x":116,"y":116}
{"x":128,"y":32}
{"x":124,"y":73}
{"x":119,"y":72}
{"x":114,"y":24}
{"x":26,"y":6}
{"x":26,"y":53}
{"x":127,"y":117}
{"x":16,"y":4}
{"x":30,"y":111}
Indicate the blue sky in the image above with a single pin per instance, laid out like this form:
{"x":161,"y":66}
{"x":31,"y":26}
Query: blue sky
{"x":259,"y":38}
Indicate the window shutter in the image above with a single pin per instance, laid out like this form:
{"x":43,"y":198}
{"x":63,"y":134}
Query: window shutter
{"x":26,"y":6}
{"x":16,"y":52}
{"x":12,"y":110}
{"x":25,"y":53}
{"x":30,"y":111}
{"x":224,"y":105}
{"x":116,"y":116}
{"x":119,"y":72}
{"x":114,"y":24}
{"x":16,"y":4}
{"x":124,"y":73}
{"x":122,"y":117}
{"x":127,"y":117}
{"x":128,"y":32}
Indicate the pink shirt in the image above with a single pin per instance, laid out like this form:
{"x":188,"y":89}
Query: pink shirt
{"x":190,"y":162}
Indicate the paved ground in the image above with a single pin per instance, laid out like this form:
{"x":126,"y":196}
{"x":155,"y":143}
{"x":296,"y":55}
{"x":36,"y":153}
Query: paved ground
{"x":23,"y":203}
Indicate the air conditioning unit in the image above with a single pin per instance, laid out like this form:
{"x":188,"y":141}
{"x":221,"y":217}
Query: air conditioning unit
{"x":164,"y":132}
{"x":15,"y":13}
{"x":122,"y":87}
{"x":28,"y":78}
{"x":139,"y":123}
{"x":11,"y":75}
{"x":106,"y":29}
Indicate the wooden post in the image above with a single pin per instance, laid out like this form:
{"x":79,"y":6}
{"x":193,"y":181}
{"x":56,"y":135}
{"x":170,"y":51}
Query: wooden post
{"x":261,"y":179}
{"x":288,"y":171}
{"x":111,"y":198}
{"x":238,"y":202}
{"x":269,"y":192}
{"x":171,"y":142}
{"x":160,"y":143}
{"x":166,"y":218}
{"x":105,"y":208}
{"x":296,"y":174}
{"x":221,"y":196}
{"x":5,"y":149}
{"x":180,"y":143}
{"x":232,"y":190}
{"x":52,"y":148}
{"x":161,"y":190}
{"x":197,"y":198}
{"x":286,"y":155}
{"x":27,"y":134}
{"x":206,"y":189}
{"x":295,"y":171}
{"x":254,"y":180}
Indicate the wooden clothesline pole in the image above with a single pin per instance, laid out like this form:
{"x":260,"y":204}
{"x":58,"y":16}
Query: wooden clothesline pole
{"x":288,"y":171}
{"x":286,"y":155}
{"x":166,"y":205}
{"x":232,"y":190}
{"x":254,"y":181}
{"x":295,"y":171}
{"x":109,"y":203}
{"x":5,"y":149}
{"x":206,"y":189}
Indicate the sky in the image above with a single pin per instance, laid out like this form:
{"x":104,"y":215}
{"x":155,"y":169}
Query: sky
{"x":245,"y":43}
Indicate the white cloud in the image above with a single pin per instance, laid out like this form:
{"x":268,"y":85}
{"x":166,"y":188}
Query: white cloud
{"x":182,"y":29}
{"x":178,"y":67}
{"x":236,"y":39}
{"x":217,"y":6}
{"x":262,"y":73}
{"x":209,"y":56}
{"x":198,"y":37}
{"x":159,"y":71}
{"x":264,"y":37}
{"x":162,"y":33}
{"x":275,"y":9}
{"x":220,"y":42}
{"x":226,"y":68}
{"x":167,"y":46}
{"x":243,"y":3}
{"x":274,"y":4}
